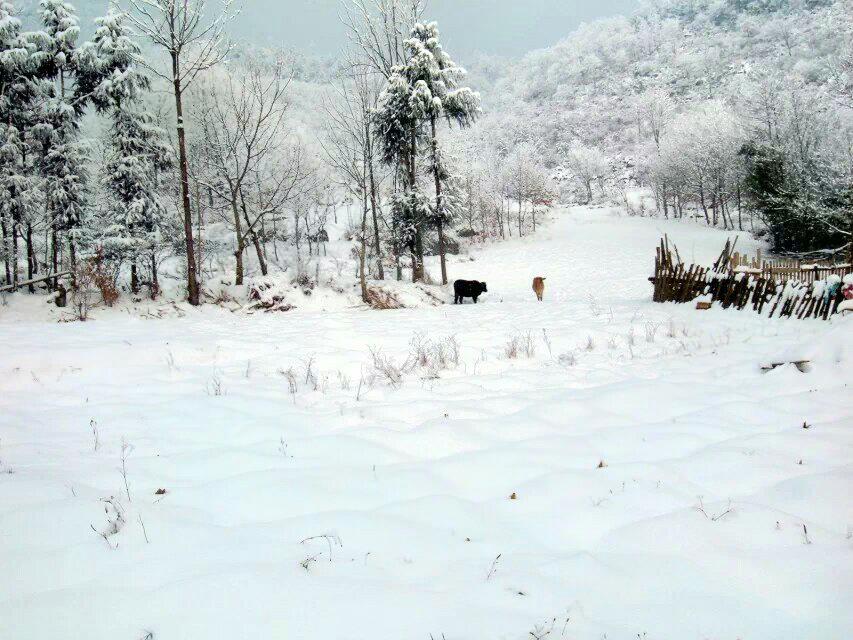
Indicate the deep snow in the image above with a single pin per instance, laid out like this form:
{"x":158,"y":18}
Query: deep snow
{"x":412,"y":486}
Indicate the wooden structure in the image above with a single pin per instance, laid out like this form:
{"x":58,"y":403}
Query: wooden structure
{"x":780,"y":288}
{"x":787,"y":269}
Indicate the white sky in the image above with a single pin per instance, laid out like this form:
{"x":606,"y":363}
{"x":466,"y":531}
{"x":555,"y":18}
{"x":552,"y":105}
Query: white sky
{"x":505,"y":27}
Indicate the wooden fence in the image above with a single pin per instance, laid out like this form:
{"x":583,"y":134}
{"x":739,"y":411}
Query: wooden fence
{"x":771,"y":288}
{"x":781,"y":270}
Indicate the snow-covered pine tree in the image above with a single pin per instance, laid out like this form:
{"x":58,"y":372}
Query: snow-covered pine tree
{"x":17,"y":97}
{"x":420,"y":91}
{"x":137,"y":155}
{"x":137,"y":151}
{"x":398,"y":122}
{"x":108,"y":73}
{"x":435,"y":69}
{"x":64,"y":154}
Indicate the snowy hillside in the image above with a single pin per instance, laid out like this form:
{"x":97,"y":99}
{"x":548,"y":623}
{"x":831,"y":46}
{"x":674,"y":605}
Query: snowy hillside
{"x":591,"y":466}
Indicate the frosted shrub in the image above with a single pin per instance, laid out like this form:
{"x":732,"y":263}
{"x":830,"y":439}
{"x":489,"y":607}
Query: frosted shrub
{"x":386,"y":369}
{"x":519,"y":345}
{"x":292,"y":384}
{"x":528,"y":347}
{"x":434,"y":356}
{"x":511,"y":348}
{"x":567,"y":359}
{"x":343,"y":380}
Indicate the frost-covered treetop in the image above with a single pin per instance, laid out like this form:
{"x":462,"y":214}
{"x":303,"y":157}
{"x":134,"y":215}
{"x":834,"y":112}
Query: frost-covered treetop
{"x":61,"y":30}
{"x":13,"y":46}
{"x":108,"y":69}
{"x":426,"y":86}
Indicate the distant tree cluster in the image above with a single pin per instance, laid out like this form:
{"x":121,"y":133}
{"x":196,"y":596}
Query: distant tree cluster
{"x":735,"y":112}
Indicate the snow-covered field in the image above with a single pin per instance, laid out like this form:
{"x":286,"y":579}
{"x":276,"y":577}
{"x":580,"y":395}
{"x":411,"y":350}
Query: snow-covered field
{"x":632,"y":473}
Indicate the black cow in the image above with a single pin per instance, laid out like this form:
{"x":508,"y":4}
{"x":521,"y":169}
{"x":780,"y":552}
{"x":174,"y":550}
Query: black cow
{"x":467,"y":289}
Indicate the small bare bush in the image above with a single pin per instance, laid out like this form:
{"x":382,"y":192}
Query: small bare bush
{"x":528,"y":346}
{"x":651,"y":329}
{"x":590,"y":343}
{"x":511,"y":348}
{"x":292,"y":383}
{"x":520,"y":345}
{"x":382,"y":300}
{"x":386,"y":369}
{"x":453,"y":350}
{"x":114,"y":513}
{"x":547,"y":340}
{"x":434,"y":356}
{"x":567,"y":359}
{"x":594,"y":307}
{"x":310,"y":376}
{"x":214,"y":386}
{"x":671,"y":331}
{"x":344,"y":380}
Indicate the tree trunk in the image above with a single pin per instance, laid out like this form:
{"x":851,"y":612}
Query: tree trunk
{"x":262,"y":261}
{"x":72,"y":260}
{"x":714,"y":211}
{"x":520,"y":234}
{"x":238,"y":231}
{"x":439,"y":202}
{"x":155,"y":284}
{"x":739,"y":211}
{"x":32,"y":265}
{"x":5,"y":249}
{"x":134,"y":278}
{"x":16,"y":222}
{"x":193,"y":294}
{"x":398,"y":266}
{"x":702,"y":201}
{"x":362,"y":254}
{"x":377,"y":246}
{"x":417,"y":246}
{"x":508,"y":218}
{"x":198,"y":239}
{"x":54,"y":251}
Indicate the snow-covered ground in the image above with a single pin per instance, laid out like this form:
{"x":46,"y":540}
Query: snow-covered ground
{"x":632,"y":473}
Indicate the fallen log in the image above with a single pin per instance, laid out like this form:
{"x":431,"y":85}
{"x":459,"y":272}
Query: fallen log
{"x":24,"y":283}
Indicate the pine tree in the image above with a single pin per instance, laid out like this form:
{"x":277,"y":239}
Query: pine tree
{"x":398,"y":122}
{"x":64,"y":154}
{"x":433,"y":67}
{"x":107,"y":70}
{"x":17,"y":93}
{"x":136,"y":158}
{"x":137,"y":152}
{"x":418,"y":92}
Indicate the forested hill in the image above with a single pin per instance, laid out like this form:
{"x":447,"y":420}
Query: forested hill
{"x":644,"y":90}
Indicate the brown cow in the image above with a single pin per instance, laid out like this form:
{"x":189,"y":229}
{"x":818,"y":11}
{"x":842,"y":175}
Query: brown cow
{"x":539,"y":287}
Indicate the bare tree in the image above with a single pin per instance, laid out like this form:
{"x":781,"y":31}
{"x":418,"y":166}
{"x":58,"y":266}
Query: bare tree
{"x":193,"y":43}
{"x":349,"y":149}
{"x":242,"y":119}
{"x":377,"y":29}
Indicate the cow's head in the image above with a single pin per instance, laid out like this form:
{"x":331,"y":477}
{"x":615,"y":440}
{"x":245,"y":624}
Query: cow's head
{"x":483,"y":287}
